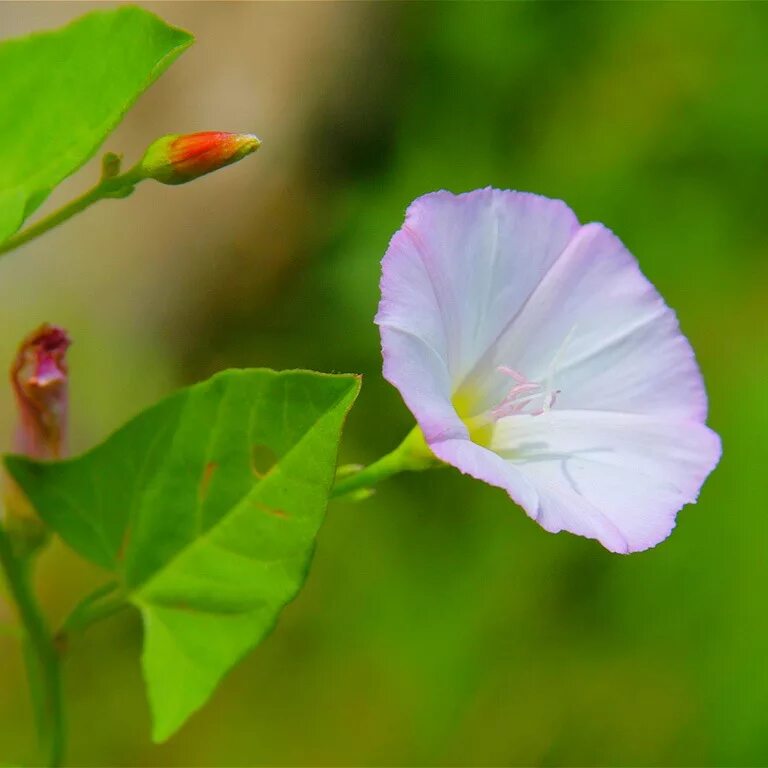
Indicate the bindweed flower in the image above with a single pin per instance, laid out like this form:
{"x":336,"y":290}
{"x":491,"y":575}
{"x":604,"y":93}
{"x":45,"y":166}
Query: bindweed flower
{"x":179,"y":158}
{"x":39,"y":379}
{"x":536,"y":357}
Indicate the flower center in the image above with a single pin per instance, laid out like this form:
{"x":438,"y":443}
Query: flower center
{"x":525,"y":397}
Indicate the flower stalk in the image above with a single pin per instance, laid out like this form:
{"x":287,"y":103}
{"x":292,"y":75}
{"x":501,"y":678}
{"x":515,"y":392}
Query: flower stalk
{"x":118,"y":186}
{"x":411,"y":455}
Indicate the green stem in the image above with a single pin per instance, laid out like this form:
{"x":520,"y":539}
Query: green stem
{"x":116,"y":186}
{"x":43,"y":663}
{"x":412,"y":454}
{"x":100,"y":604}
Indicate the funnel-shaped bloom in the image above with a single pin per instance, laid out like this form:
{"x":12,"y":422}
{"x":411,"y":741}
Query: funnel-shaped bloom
{"x":536,"y":356}
{"x":179,"y":158}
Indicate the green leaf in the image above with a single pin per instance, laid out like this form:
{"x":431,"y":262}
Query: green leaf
{"x":206,"y":506}
{"x":63,"y":92}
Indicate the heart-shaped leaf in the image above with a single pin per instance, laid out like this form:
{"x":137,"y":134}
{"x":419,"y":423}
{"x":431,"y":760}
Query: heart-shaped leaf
{"x":206,"y":506}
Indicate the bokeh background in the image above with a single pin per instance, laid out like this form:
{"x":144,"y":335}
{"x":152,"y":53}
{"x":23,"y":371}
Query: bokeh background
{"x":439,"y":625}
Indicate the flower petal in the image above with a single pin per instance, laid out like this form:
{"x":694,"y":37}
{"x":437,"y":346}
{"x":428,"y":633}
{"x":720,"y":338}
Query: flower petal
{"x":604,"y":335}
{"x":453,"y":277}
{"x":618,"y":478}
{"x":485,"y":465}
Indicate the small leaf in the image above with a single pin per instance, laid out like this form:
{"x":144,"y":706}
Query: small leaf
{"x":64,"y":91}
{"x":206,"y":506}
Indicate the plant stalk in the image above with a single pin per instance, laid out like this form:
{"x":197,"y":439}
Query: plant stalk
{"x":41,"y":655}
{"x":102,"y":603}
{"x":115,"y":186}
{"x":411,"y":455}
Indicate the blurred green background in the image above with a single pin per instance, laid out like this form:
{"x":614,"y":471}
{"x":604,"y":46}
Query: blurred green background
{"x":439,"y":625}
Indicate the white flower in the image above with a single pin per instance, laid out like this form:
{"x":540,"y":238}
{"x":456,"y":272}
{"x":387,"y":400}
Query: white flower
{"x":536,"y":356}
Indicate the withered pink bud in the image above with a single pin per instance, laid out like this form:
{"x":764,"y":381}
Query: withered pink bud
{"x":178,"y":158}
{"x":39,"y":380}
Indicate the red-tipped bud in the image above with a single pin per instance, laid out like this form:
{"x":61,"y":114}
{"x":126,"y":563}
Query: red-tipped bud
{"x":39,"y":380}
{"x":179,"y":158}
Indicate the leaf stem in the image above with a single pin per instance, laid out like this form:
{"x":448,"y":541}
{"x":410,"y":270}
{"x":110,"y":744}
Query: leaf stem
{"x":100,"y":604}
{"x":115,"y":186}
{"x":41,"y":655}
{"x":411,"y":455}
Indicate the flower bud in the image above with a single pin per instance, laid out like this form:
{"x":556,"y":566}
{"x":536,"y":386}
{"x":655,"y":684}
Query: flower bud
{"x":39,"y":381}
{"x":179,"y":158}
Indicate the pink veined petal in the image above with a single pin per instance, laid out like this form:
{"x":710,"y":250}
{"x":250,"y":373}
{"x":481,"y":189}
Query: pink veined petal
{"x":618,"y":478}
{"x":601,"y":331}
{"x":453,"y":277}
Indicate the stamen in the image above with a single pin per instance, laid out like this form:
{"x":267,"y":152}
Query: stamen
{"x":522,"y":394}
{"x":518,"y":377}
{"x":525,"y":392}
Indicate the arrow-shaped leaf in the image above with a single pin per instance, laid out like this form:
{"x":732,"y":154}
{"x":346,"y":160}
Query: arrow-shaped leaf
{"x":206,"y":506}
